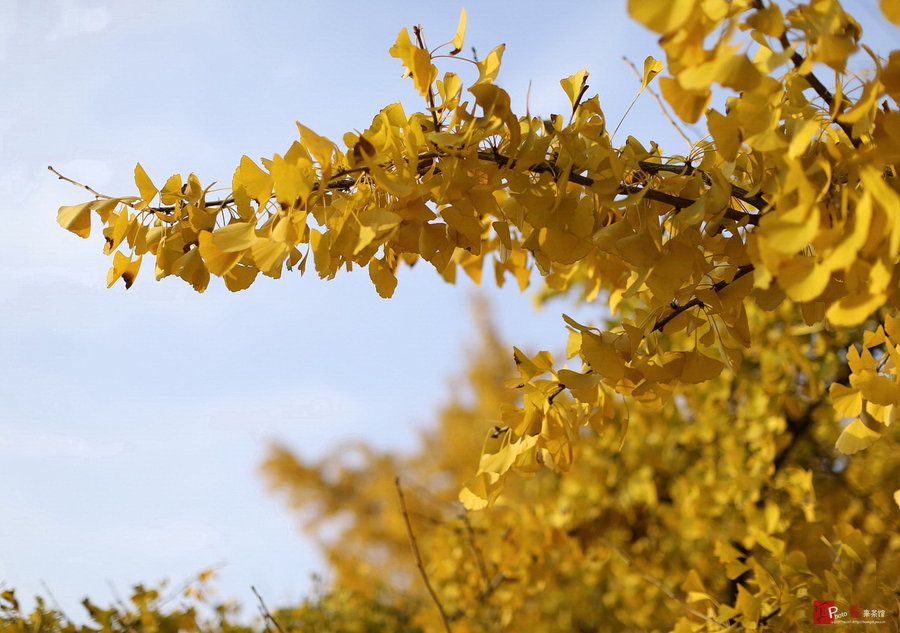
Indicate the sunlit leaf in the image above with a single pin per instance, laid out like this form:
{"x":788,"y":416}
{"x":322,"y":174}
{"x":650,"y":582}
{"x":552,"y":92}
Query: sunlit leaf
{"x":460,"y":33}
{"x":855,"y":437}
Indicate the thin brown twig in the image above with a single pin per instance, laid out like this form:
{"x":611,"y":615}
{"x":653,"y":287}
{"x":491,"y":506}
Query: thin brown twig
{"x":651,"y":194}
{"x":418,"y":557}
{"x":479,"y":558}
{"x":658,"y":583}
{"x":814,"y":82}
{"x":659,"y":102}
{"x":695,"y":302}
{"x":267,"y":615}
{"x":78,"y":184}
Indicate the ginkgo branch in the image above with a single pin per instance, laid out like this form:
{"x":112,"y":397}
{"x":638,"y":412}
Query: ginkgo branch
{"x":660,"y":103}
{"x":418,"y":557}
{"x":814,"y":82}
{"x":78,"y":184}
{"x":695,"y":302}
{"x":651,"y":194}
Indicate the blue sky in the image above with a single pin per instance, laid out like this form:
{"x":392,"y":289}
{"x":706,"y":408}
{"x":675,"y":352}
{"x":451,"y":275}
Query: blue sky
{"x":132,"y":423}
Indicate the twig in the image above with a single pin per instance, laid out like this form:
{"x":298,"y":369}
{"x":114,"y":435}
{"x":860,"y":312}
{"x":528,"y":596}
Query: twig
{"x":662,"y":106}
{"x":421,"y":41}
{"x":660,"y":584}
{"x":693,"y":303}
{"x":55,"y":602}
{"x":470,"y":533}
{"x":771,"y":614}
{"x":418,"y":556}
{"x":267,"y":615}
{"x":814,"y":82}
{"x":559,"y":389}
{"x":687,"y":169}
{"x":78,"y":184}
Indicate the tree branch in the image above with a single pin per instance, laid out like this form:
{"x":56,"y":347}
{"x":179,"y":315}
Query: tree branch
{"x":78,"y":184}
{"x":695,"y":302}
{"x":814,"y":82}
{"x":651,"y":194}
{"x":418,"y":557}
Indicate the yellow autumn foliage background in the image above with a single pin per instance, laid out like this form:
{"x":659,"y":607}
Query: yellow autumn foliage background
{"x":716,"y":450}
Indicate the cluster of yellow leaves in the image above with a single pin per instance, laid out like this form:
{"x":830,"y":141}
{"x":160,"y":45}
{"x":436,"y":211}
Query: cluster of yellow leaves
{"x":723,"y":507}
{"x":732,"y":275}
{"x":792,"y":200}
{"x":873,"y":394}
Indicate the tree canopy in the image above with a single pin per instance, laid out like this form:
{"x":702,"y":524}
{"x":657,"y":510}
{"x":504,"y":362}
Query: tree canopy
{"x":718,"y":451}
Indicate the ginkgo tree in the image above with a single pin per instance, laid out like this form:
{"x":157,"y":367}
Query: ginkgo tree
{"x":753,"y":337}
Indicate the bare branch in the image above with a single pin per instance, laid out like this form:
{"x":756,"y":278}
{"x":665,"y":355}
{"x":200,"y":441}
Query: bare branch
{"x":415,"y":550}
{"x":264,"y":610}
{"x":78,"y":184}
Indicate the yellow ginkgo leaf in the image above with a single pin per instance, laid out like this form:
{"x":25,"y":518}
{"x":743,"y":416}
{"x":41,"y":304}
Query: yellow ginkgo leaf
{"x":416,"y":60}
{"x":76,"y":218}
{"x":460,"y":33}
{"x":237,"y":236}
{"x":240,"y":277}
{"x":652,"y":67}
{"x":254,"y":181}
{"x":383,"y":278}
{"x":269,"y":256}
{"x":891,"y":10}
{"x":847,"y":401}
{"x":853,"y":309}
{"x":123,"y":268}
{"x":171,"y":191}
{"x":600,"y":354}
{"x":687,"y":104}
{"x":320,"y":147}
{"x":662,"y":16}
{"x":481,"y":491}
{"x":490,"y":65}
{"x":699,"y":367}
{"x":145,"y":186}
{"x":218,"y":261}
{"x":574,"y":86}
{"x":575,"y":380}
{"x":856,"y":437}
{"x":876,"y":388}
